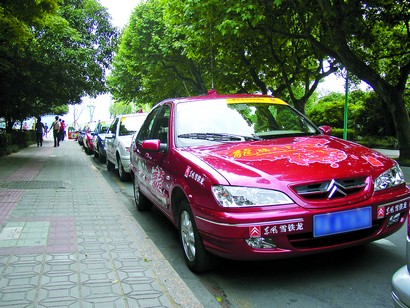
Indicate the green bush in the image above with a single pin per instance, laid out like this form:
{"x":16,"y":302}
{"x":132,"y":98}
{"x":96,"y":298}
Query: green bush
{"x":351,"y":133}
{"x":16,"y":140}
{"x":378,"y":142}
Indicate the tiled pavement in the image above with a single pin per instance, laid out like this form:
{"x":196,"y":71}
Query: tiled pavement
{"x":66,"y":241}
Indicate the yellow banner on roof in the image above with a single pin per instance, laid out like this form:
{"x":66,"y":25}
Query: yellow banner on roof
{"x":268,"y":100}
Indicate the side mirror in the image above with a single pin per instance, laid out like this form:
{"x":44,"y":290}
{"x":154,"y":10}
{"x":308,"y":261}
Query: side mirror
{"x":325,"y":129}
{"x":154,"y":145}
{"x":109,"y":136}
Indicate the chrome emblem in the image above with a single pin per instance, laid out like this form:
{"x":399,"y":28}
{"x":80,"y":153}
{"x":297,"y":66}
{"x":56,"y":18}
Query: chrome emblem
{"x":335,"y":187}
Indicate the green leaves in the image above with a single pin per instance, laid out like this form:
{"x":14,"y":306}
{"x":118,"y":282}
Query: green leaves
{"x":61,"y":54}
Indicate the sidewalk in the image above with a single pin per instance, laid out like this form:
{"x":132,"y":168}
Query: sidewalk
{"x":66,"y":240}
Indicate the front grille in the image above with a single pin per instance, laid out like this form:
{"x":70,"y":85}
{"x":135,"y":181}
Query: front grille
{"x":331,"y":189}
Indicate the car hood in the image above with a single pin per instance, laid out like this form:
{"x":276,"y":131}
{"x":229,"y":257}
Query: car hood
{"x":292,"y":160}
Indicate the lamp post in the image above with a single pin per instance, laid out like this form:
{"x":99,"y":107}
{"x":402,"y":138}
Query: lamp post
{"x":346,"y":108}
{"x":91,"y":111}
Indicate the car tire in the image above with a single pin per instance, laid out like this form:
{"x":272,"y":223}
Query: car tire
{"x":124,"y":176}
{"x":196,"y":257}
{"x":110,"y":165}
{"x":101,"y":157}
{"x":141,"y":202}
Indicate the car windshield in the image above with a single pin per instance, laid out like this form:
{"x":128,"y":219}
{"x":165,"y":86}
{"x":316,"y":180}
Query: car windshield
{"x":129,"y":125}
{"x":103,"y":127}
{"x":90,"y":127}
{"x":225,"y":120}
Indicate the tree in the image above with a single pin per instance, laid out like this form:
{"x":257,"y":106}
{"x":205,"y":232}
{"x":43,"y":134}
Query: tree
{"x":368,"y":115}
{"x":64,"y":57}
{"x":278,"y":46}
{"x":248,"y":54}
{"x":148,"y":66}
{"x":370,"y":39}
{"x":181,"y":48}
{"x":16,"y":21}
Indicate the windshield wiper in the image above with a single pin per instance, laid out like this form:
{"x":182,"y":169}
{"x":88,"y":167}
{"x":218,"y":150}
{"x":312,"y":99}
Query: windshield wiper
{"x":218,"y":137}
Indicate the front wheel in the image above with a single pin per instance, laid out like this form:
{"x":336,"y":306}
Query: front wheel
{"x":197,"y":259}
{"x":101,"y":157}
{"x":124,"y":176}
{"x":141,"y":202}
{"x":110,"y":165}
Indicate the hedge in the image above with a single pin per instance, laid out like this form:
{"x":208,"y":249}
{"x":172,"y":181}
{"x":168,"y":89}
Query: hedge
{"x":16,"y":140}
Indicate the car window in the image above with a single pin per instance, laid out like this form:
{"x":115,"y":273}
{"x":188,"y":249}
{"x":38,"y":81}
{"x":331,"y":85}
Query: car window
{"x":131,"y":124}
{"x":113,"y":126}
{"x":160,"y":128}
{"x":145,"y":131}
{"x":102,"y":127}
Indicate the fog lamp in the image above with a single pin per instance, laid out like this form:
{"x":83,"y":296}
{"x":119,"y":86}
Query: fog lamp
{"x":394,"y":218}
{"x":260,"y":242}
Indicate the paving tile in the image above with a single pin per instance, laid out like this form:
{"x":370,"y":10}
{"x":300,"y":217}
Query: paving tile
{"x":63,"y":239}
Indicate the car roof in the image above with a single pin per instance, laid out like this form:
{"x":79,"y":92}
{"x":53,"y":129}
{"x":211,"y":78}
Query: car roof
{"x":131,"y":115}
{"x":212,"y":95}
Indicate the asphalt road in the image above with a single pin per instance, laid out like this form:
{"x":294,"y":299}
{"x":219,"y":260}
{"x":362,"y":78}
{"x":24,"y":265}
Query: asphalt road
{"x":357,"y":277}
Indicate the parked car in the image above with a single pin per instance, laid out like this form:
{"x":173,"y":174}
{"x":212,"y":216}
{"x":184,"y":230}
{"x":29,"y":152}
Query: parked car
{"x":247,"y":177}
{"x":88,"y":137}
{"x":81,"y":134}
{"x":401,"y":279}
{"x":72,"y":133}
{"x":118,"y":141}
{"x":99,"y":140}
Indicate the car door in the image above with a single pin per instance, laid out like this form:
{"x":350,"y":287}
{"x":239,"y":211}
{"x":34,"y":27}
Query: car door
{"x":153,"y":166}
{"x":109,"y":141}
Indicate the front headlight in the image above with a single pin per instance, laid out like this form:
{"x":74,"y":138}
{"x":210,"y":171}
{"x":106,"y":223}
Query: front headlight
{"x":237,"y":196}
{"x":390,"y":178}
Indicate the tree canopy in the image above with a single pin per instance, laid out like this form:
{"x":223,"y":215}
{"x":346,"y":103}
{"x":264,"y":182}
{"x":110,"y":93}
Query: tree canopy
{"x":284,"y":47}
{"x":52,"y":53}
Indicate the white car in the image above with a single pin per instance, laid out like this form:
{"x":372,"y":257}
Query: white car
{"x":401,"y":279}
{"x":118,"y":142}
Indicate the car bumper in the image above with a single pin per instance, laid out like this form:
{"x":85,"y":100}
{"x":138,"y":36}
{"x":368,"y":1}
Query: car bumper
{"x":288,"y":232}
{"x":401,"y":288}
{"x":401,"y":283}
{"x":125,"y":160}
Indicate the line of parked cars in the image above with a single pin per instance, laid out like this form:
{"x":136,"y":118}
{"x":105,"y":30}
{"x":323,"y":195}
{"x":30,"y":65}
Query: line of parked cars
{"x":248,"y":177}
{"x":110,"y":141}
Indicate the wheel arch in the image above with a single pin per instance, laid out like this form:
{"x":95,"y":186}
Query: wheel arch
{"x":177,"y":196}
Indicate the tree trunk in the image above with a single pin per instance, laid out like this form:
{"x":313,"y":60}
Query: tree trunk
{"x":389,"y":88}
{"x":401,"y":121}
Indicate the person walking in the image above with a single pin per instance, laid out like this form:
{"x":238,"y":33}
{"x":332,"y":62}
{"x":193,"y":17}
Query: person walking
{"x":56,"y":132}
{"x":46,"y":129}
{"x":39,"y":132}
{"x":62,"y":130}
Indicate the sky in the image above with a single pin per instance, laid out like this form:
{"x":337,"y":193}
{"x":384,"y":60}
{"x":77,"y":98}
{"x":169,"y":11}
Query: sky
{"x":98,"y":108}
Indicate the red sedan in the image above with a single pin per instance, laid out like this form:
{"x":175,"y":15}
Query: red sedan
{"x":247,"y":177}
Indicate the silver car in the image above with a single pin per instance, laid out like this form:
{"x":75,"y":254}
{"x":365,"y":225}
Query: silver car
{"x":401,"y":279}
{"x":118,"y":141}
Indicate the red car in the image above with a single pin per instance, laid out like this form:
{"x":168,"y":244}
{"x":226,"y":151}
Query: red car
{"x":88,"y":137}
{"x":247,"y":177}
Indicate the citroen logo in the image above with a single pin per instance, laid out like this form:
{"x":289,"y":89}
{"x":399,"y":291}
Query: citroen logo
{"x":334,"y":188}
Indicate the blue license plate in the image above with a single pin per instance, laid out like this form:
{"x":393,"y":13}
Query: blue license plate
{"x":341,"y":222}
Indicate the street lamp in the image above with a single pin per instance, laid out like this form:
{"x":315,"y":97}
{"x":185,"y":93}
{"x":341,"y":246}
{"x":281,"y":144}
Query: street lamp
{"x":346,"y":107}
{"x":91,"y":109}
